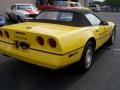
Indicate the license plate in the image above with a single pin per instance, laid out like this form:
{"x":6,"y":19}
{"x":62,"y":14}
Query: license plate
{"x":22,"y":45}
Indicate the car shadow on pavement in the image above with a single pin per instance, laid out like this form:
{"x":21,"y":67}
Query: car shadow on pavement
{"x":18,"y":75}
{"x":10,"y":22}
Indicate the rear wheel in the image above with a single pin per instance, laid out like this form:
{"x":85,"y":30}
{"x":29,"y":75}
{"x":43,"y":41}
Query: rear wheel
{"x":19,"y":20}
{"x":87,"y":56}
{"x":9,"y":17}
{"x":112,"y":38}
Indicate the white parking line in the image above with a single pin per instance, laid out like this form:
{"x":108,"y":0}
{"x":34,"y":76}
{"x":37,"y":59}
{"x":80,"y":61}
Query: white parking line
{"x":118,"y":24}
{"x":113,"y":49}
{"x":118,"y":28}
{"x":116,"y":49}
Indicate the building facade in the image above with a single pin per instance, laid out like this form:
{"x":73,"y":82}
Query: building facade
{"x":4,"y":4}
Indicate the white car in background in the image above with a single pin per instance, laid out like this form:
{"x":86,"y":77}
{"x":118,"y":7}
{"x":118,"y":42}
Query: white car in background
{"x":95,"y":7}
{"x":22,"y":12}
{"x":67,"y":3}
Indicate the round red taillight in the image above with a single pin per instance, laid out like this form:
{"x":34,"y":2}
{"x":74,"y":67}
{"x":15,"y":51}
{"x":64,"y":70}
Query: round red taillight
{"x":40,"y":40}
{"x":1,"y":34}
{"x":6,"y":34}
{"x":52,"y":43}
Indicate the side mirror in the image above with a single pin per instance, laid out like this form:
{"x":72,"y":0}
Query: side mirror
{"x":104,"y":23}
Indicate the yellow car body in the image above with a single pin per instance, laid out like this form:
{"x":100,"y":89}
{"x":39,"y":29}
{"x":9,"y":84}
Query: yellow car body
{"x":70,"y":40}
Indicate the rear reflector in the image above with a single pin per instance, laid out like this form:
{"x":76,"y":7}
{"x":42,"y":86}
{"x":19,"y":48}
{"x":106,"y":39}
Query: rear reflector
{"x":52,"y":43}
{"x":40,"y":40}
{"x":6,"y":34}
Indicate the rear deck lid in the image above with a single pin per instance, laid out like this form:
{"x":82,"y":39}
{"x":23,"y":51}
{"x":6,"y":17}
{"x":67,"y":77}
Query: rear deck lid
{"x":42,"y":28}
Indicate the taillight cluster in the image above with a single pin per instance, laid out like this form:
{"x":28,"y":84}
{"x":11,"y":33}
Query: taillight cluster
{"x":51,"y":42}
{"x":1,"y":34}
{"x":4,"y":33}
{"x":40,"y":41}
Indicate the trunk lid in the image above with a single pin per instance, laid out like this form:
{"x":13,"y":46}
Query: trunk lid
{"x":26,"y":34}
{"x":42,"y":28}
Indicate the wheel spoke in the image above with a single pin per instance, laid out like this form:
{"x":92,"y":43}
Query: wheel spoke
{"x":88,"y":57}
{"x":113,"y":36}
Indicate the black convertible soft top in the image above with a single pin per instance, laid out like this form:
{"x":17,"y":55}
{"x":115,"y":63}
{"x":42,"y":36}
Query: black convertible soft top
{"x":79,"y":10}
{"x":78,"y":20}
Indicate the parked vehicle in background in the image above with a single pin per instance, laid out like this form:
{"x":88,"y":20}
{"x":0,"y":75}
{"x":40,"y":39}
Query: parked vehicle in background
{"x":59,"y":4}
{"x":111,"y":8}
{"x":95,"y":7}
{"x":105,"y":8}
{"x":2,"y":21}
{"x":67,"y":3}
{"x":115,"y":8}
{"x":22,"y":12}
{"x":40,"y":2}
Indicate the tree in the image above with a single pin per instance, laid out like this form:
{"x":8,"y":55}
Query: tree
{"x":112,"y":2}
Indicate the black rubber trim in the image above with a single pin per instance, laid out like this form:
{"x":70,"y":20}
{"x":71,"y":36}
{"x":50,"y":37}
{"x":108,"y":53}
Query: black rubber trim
{"x":20,"y":33}
{"x":7,"y":42}
{"x":46,"y":51}
{"x":56,"y":53}
{"x":102,"y":36}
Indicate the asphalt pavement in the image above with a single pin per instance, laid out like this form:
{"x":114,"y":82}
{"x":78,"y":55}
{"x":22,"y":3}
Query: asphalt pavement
{"x":103,"y":75}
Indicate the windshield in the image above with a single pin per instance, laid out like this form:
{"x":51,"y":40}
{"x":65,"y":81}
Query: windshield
{"x":92,"y":5}
{"x":25,"y":7}
{"x":77,"y":4}
{"x":55,"y":16}
{"x":61,"y":3}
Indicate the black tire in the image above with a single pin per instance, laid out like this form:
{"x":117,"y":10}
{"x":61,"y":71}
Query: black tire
{"x":112,"y":38}
{"x":19,"y":20}
{"x":94,"y":10}
{"x":87,"y":56}
{"x":9,"y":17}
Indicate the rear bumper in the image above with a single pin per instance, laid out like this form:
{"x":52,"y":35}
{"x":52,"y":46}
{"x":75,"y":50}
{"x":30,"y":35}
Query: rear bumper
{"x":44,"y":59}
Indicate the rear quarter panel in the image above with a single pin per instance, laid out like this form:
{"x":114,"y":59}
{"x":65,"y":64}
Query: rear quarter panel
{"x":75,"y":41}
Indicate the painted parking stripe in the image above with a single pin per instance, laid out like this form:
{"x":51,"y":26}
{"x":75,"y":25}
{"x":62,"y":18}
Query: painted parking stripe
{"x":118,"y":26}
{"x":113,"y":49}
{"x":116,"y":49}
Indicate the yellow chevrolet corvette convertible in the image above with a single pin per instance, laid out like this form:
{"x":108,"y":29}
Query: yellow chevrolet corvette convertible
{"x":57,"y":38}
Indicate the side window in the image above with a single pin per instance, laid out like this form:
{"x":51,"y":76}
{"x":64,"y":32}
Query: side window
{"x":13,"y":7}
{"x":93,"y":19}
